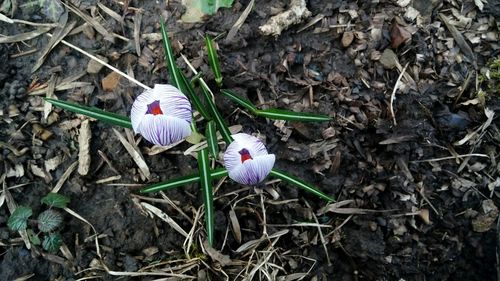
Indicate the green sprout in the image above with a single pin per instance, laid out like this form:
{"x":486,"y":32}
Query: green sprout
{"x":215,"y":123}
{"x":47,"y":222}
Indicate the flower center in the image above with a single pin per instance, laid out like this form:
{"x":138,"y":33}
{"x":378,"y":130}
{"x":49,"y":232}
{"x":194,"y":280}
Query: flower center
{"x":154,"y":108}
{"x":245,"y":155}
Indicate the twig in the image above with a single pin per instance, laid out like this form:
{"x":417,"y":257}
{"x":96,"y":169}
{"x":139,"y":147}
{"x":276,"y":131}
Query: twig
{"x":393,"y":95}
{"x":450,"y":157}
{"x":123,"y":74}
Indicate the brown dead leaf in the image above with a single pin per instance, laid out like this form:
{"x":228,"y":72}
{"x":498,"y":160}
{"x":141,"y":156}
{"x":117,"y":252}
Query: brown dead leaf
{"x":110,"y":82}
{"x":399,"y":35}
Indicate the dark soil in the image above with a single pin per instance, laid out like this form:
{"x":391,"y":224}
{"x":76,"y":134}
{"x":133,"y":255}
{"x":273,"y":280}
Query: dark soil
{"x":367,"y":159}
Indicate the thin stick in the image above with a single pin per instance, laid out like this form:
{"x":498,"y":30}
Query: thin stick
{"x":123,"y":74}
{"x":393,"y":95}
{"x":450,"y":157}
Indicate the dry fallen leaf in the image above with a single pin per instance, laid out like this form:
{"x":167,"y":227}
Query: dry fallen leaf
{"x":110,"y":82}
{"x":399,"y":35}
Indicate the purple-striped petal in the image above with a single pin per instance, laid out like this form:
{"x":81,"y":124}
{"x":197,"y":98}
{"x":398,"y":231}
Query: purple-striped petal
{"x":246,"y":159}
{"x":164,"y":130}
{"x":162,"y":115}
{"x":253,"y":171}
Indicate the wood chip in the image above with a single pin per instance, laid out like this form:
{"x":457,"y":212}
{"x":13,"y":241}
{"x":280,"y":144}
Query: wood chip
{"x":84,"y":148}
{"x":110,"y":82}
{"x":347,"y":39}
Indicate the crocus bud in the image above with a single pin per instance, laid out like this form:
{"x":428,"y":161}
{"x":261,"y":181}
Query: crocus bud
{"x":246,"y":160}
{"x":162,"y":115}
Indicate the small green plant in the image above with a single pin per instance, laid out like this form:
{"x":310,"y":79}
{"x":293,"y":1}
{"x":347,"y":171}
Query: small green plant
{"x":47,"y":222}
{"x":163,"y":116}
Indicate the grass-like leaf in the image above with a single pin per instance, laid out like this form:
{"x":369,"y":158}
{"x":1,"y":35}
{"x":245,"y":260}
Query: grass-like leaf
{"x":239,"y":100}
{"x":211,"y":135}
{"x":49,"y":220}
{"x":301,"y":184}
{"x":173,"y":70}
{"x":52,"y":242}
{"x":281,"y":114}
{"x":55,"y":200}
{"x":213,"y":60}
{"x":193,"y":97}
{"x":221,"y":125}
{"x":99,"y":114}
{"x":181,"y":181}
{"x":19,"y":218}
{"x":208,"y":196}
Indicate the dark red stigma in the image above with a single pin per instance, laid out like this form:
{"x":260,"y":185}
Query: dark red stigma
{"x":245,"y":155}
{"x":154,"y":108}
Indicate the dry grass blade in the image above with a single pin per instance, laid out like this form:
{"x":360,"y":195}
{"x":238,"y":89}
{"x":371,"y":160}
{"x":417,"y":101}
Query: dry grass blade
{"x":163,"y":216}
{"x":64,"y":177}
{"x":111,"y":13}
{"x":25,"y":277}
{"x":95,"y":24}
{"x":59,"y":34}
{"x":322,"y":237}
{"x":235,"y":225}
{"x":137,"y":32}
{"x":136,"y":156}
{"x":63,"y":86}
{"x":393,"y":95}
{"x":123,"y":74}
{"x":234,"y":29}
{"x":25,"y":36}
{"x":47,"y":107}
{"x":76,"y":215}
{"x":459,"y":38}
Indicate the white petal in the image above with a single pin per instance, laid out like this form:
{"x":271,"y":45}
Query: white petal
{"x":172,"y":103}
{"x":232,"y":156}
{"x":253,"y":171}
{"x":163,"y":130}
{"x":253,"y":144}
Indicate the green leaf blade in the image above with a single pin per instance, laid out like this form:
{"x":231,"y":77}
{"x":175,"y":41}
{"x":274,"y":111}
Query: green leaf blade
{"x":49,"y":220}
{"x":99,"y":114}
{"x":213,"y":60}
{"x":211,"y":135}
{"x":208,"y":197}
{"x":193,"y":97}
{"x":239,"y":100}
{"x":19,"y":218}
{"x":221,"y":125}
{"x":55,"y":200}
{"x":52,"y":242}
{"x":173,"y":70}
{"x":281,"y":114}
{"x":301,"y":184}
{"x":181,"y":181}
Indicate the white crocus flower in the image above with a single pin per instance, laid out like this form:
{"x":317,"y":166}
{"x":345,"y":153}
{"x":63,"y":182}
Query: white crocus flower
{"x":247,"y":161}
{"x":162,"y":115}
